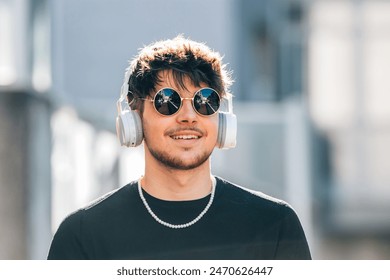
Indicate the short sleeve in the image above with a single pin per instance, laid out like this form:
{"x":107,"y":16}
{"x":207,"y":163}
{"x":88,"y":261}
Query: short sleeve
{"x":292,"y":243}
{"x":67,"y":242}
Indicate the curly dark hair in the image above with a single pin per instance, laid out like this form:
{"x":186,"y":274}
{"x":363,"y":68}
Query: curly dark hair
{"x":184,"y":58}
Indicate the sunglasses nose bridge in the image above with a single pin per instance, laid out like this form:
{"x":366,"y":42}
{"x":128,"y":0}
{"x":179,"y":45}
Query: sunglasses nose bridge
{"x":188,"y":99}
{"x":187,"y":107}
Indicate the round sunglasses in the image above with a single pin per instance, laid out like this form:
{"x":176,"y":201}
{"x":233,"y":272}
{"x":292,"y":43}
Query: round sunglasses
{"x":168,"y":101}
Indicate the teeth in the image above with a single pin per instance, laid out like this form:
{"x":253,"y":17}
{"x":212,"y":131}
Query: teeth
{"x":185,"y":137}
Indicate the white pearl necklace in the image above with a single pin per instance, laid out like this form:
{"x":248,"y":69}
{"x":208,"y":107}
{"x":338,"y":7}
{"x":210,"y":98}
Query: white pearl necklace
{"x":214,"y":183}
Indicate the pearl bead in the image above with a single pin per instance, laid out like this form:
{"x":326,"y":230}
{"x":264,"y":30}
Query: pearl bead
{"x":180,"y":226}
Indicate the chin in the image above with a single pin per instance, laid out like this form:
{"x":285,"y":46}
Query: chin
{"x":181,"y":163}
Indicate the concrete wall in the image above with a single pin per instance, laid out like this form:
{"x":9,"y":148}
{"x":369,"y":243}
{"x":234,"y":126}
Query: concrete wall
{"x":24,"y":176}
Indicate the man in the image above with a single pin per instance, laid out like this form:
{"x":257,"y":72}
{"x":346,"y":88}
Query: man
{"x":175,"y":92}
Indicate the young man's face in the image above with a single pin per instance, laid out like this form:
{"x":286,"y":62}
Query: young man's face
{"x":184,"y":140}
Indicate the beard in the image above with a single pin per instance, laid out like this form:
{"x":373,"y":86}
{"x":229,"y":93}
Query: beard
{"x":172,"y":161}
{"x":176,"y":163}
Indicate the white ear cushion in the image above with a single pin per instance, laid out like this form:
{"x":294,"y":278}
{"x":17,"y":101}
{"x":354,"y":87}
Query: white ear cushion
{"x":221,"y":129}
{"x":137,"y":128}
{"x":129,"y":128}
{"x":120,"y":130}
{"x":227,"y":130}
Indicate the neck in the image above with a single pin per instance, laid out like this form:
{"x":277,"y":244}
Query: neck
{"x":169,"y":184}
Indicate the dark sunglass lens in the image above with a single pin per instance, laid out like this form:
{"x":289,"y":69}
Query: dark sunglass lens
{"x":206,"y":101}
{"x":167,"y":101}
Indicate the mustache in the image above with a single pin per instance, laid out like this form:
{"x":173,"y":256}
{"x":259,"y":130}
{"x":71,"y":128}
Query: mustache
{"x":180,"y":129}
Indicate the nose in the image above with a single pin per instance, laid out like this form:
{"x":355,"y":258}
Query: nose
{"x":187,"y":113}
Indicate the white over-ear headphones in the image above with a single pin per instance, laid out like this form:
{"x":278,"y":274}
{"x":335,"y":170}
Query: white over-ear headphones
{"x":129,"y":125}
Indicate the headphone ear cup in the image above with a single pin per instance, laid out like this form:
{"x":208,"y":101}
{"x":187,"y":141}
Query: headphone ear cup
{"x":129,"y":128}
{"x":227,"y":130}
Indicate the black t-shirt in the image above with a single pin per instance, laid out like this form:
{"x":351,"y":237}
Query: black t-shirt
{"x":240,"y":224}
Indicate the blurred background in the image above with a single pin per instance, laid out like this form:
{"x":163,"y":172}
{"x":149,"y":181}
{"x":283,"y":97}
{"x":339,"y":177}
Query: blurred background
{"x":312,"y":97}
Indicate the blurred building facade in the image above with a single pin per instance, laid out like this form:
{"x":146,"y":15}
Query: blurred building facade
{"x":311,"y":97}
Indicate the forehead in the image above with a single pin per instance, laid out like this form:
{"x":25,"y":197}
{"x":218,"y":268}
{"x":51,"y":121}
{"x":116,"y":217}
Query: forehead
{"x":181,"y":82}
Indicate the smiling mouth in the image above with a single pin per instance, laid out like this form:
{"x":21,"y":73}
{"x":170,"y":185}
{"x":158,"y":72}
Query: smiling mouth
{"x":185,"y":137}
{"x":186,"y":134}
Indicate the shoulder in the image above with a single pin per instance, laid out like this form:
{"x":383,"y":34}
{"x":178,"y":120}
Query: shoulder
{"x":242,"y":194}
{"x":73,"y":238}
{"x":115,"y":196}
{"x":113,"y":200}
{"x":105,"y":206}
{"x":248,"y":198}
